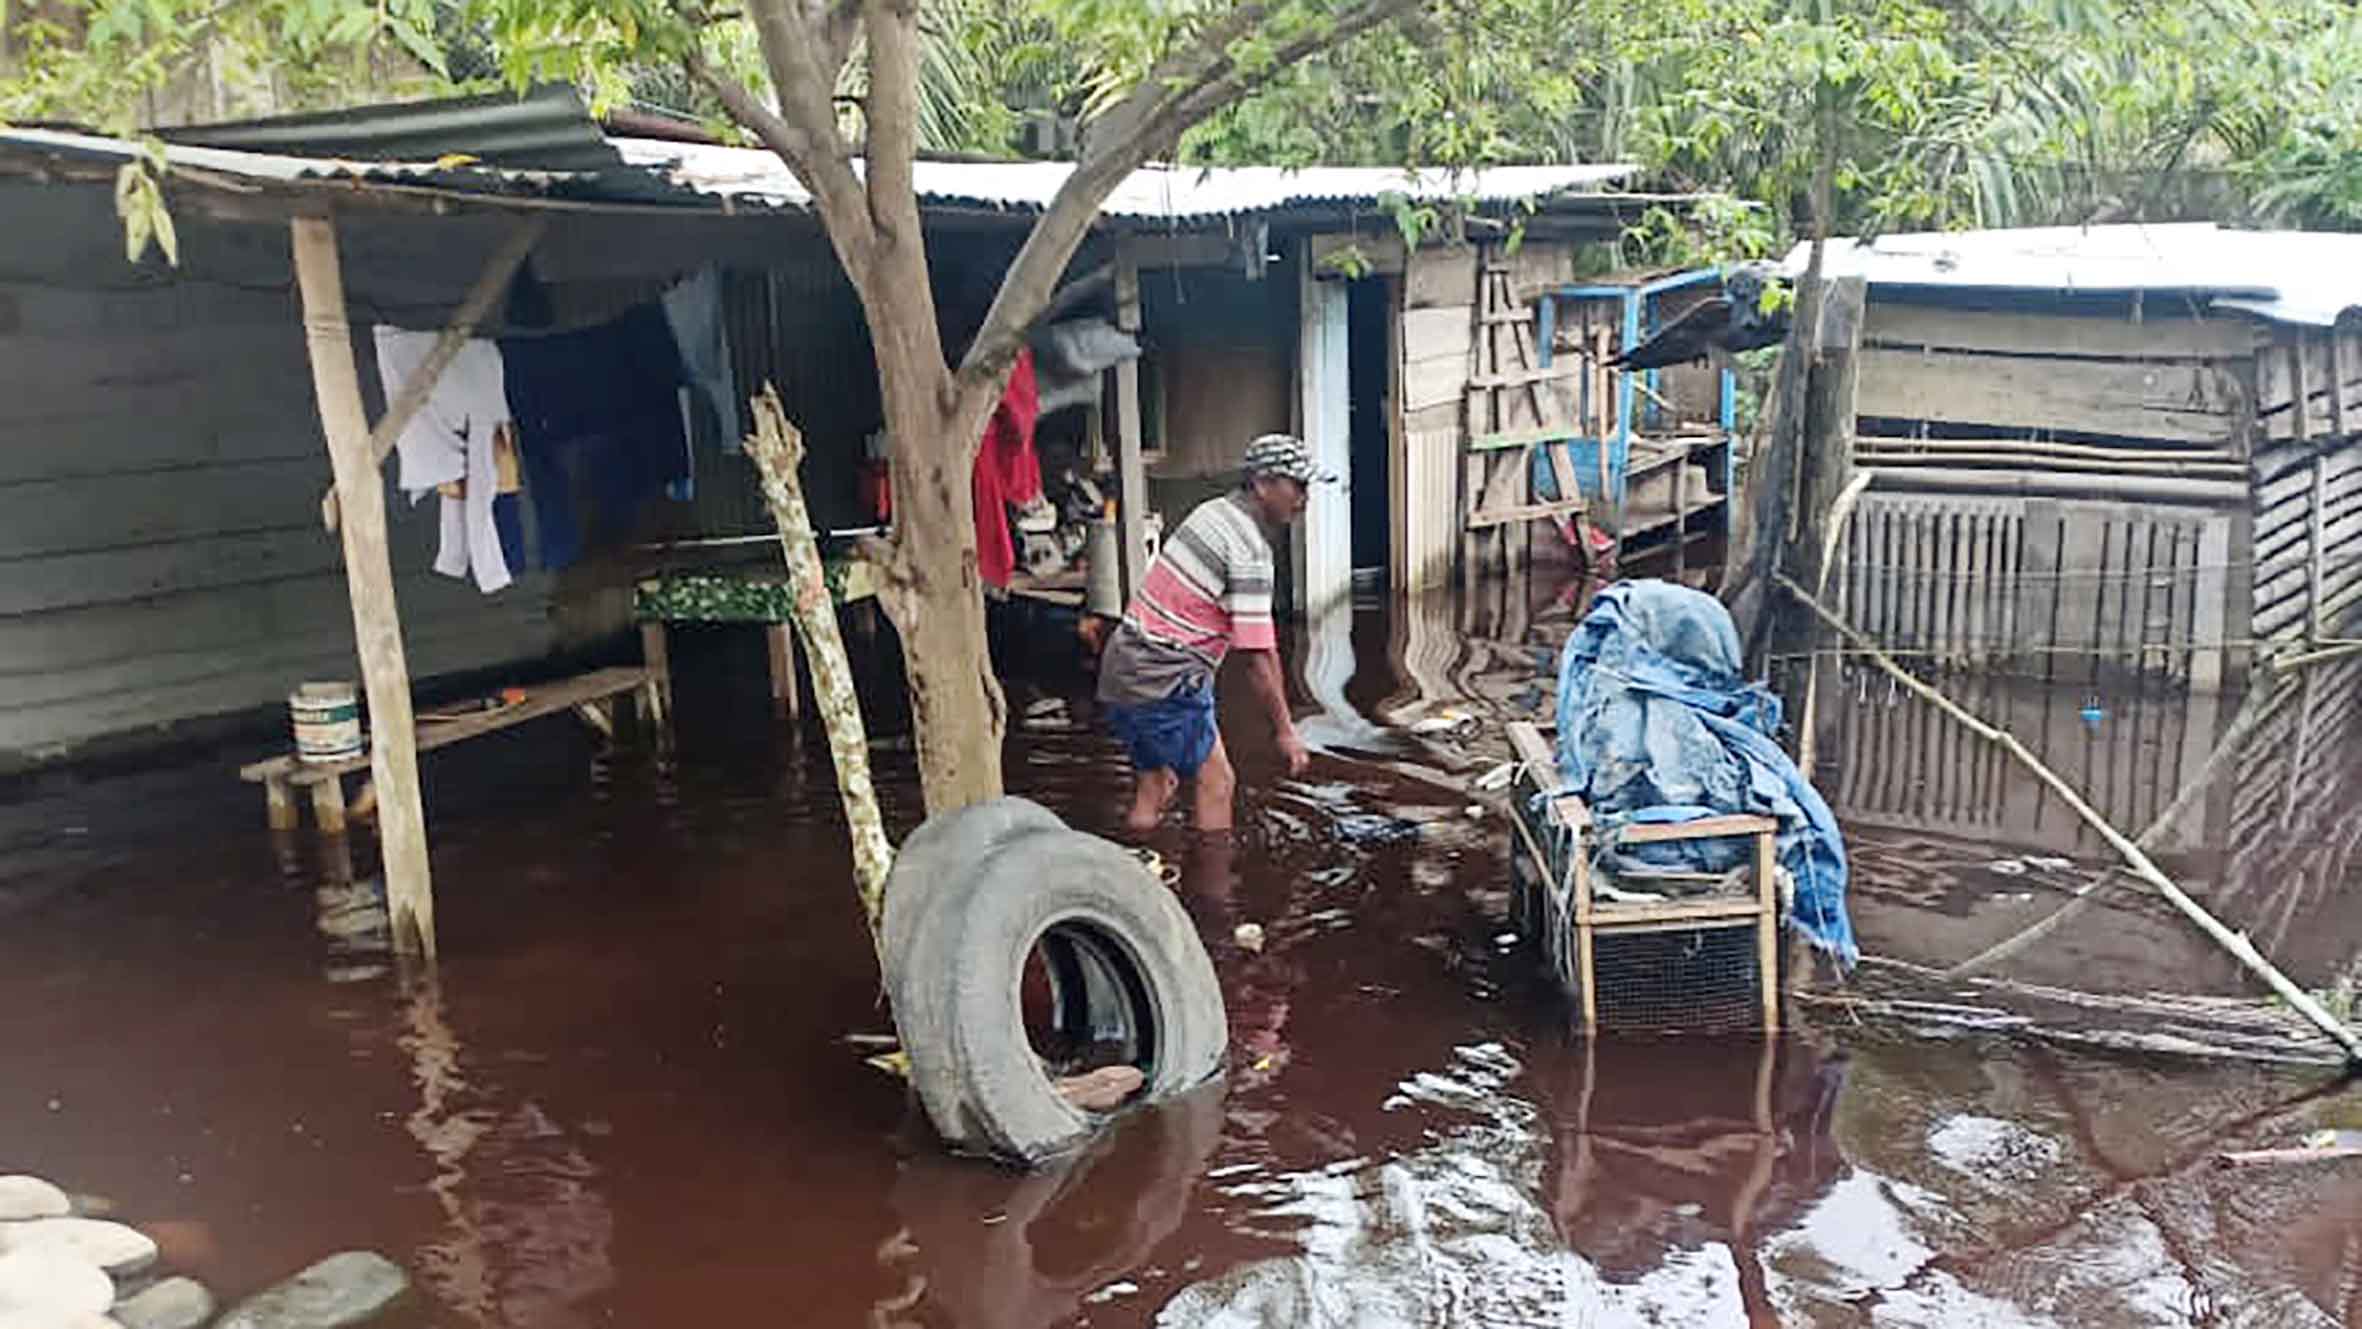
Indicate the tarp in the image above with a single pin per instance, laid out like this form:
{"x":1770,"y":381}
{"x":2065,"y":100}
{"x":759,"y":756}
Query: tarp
{"x":1657,"y":723}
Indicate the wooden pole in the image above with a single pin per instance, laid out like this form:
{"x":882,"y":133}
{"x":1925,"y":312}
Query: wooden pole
{"x":369,"y":576}
{"x":2134,"y":856}
{"x":498,"y":271}
{"x":777,"y":449}
{"x":1131,"y":467}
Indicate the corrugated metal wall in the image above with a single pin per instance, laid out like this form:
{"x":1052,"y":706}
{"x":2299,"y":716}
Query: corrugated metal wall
{"x":161,"y":553}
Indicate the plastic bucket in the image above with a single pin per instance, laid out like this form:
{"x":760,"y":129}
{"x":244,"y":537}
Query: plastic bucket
{"x":327,"y":722}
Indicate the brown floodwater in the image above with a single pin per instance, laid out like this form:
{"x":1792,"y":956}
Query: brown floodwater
{"x":627,"y":1096}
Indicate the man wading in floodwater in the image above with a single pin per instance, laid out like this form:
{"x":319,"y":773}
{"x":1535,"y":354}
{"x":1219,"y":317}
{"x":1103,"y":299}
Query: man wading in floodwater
{"x":1207,"y":593}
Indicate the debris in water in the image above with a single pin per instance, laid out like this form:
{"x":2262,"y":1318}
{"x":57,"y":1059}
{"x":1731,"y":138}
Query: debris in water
{"x":1249,"y":937}
{"x":1442,"y":722}
{"x":343,"y":1289}
{"x":1102,"y":1090}
{"x":1496,"y":778}
{"x":873,"y":1040}
{"x":896,"y":1064}
{"x":175,"y":1303}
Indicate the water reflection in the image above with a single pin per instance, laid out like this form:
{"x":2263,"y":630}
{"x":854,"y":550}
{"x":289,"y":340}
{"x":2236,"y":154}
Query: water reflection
{"x":984,"y":1248}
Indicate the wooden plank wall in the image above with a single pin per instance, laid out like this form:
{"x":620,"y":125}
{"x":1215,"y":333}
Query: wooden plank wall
{"x":2054,"y":589}
{"x":2164,"y":394}
{"x":161,"y":553}
{"x":1436,"y":336}
{"x":2308,"y":485}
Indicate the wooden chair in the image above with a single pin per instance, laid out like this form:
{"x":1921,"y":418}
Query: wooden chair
{"x":1559,"y":841}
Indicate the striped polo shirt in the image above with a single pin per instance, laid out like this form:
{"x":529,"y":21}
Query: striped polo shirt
{"x":1208,"y":590}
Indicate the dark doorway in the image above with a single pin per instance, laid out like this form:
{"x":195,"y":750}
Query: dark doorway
{"x":1370,"y":304}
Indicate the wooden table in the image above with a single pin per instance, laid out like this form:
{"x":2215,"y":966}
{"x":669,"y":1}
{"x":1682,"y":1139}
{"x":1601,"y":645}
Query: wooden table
{"x":740,"y":596}
{"x":589,"y":695}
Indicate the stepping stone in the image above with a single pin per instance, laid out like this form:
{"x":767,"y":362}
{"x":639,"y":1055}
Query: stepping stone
{"x":344,"y":1289}
{"x":175,"y":1303}
{"x":51,"y":1283}
{"x":30,"y":1197}
{"x":111,"y":1246}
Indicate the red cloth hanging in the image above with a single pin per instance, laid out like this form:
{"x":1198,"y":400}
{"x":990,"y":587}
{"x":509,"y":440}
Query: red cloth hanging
{"x":1008,"y":471}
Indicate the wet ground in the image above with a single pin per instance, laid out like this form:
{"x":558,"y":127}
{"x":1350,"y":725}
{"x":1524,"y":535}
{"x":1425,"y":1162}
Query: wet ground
{"x":626,"y":1098}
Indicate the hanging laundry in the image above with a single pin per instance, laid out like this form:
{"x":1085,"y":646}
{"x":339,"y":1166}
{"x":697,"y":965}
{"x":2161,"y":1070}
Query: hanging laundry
{"x":1073,"y":358}
{"x":694,"y":309}
{"x":599,"y":410}
{"x":1007,"y":471}
{"x":449,"y":446}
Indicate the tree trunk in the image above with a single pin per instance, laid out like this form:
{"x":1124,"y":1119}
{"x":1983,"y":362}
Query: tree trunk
{"x":934,"y":597}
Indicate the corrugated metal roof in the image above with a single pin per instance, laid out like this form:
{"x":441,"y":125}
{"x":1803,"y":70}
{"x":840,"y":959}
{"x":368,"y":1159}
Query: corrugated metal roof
{"x":547,"y":129}
{"x":2309,"y":277}
{"x":1155,"y":193}
{"x":518,"y":142}
{"x":265,"y":166}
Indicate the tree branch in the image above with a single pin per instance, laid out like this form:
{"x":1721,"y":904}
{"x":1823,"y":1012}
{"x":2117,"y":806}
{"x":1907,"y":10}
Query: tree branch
{"x":891,"y":119}
{"x":803,"y":131}
{"x":1178,"y":93}
{"x":834,"y":23}
{"x":825,"y":173}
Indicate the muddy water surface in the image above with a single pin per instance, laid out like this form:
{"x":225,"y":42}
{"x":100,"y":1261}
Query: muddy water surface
{"x":626,"y":1098}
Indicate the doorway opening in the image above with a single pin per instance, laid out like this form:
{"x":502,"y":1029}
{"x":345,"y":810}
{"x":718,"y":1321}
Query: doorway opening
{"x":1370,"y":304}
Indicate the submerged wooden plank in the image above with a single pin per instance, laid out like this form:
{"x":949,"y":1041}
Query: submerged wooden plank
{"x":2182,"y":402}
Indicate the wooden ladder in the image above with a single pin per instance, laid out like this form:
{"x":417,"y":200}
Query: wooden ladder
{"x":1516,"y":405}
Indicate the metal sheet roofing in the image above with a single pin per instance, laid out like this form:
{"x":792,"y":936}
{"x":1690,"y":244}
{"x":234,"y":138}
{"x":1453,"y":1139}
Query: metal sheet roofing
{"x":547,"y":143}
{"x":1154,"y":193}
{"x":547,"y":129}
{"x":2309,"y":277}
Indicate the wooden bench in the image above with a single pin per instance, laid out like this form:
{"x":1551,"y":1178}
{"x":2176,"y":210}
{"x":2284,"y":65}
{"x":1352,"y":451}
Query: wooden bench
{"x":1748,"y":897}
{"x":589,"y":695}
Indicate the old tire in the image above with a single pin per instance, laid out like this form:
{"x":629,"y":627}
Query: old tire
{"x":944,"y":849}
{"x":1143,"y":973}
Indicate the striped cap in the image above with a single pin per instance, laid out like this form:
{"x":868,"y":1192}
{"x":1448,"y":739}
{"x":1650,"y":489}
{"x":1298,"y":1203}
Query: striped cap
{"x":1282,"y":454}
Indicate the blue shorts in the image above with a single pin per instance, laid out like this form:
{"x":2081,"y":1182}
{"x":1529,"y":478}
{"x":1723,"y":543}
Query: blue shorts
{"x":1173,"y":733}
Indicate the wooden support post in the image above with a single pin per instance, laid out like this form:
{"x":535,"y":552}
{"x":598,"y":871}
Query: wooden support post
{"x":2315,"y":529}
{"x":1131,"y":517}
{"x":656,"y":657}
{"x":1586,"y":974}
{"x":1767,"y":929}
{"x":781,"y":640}
{"x":369,"y":576}
{"x":278,"y":803}
{"x":328,"y":805}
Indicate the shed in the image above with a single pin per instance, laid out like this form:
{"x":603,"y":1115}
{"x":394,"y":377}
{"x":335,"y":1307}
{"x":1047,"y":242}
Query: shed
{"x":2107,"y":447}
{"x":163,"y":472}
